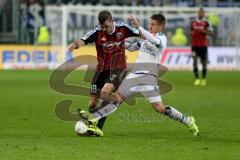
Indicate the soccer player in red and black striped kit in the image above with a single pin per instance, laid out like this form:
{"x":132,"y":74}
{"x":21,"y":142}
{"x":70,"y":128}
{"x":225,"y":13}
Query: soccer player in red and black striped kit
{"x":109,"y":38}
{"x":200,"y":28}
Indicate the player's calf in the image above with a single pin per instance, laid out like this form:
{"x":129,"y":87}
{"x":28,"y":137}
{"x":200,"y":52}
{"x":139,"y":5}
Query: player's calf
{"x":159,"y":107}
{"x":93,"y":102}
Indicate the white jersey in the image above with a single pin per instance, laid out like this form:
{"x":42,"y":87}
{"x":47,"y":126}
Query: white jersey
{"x":152,"y":53}
{"x":144,"y":76}
{"x":151,"y":50}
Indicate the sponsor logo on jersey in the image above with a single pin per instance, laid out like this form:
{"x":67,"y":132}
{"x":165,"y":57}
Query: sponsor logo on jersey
{"x":119,"y":35}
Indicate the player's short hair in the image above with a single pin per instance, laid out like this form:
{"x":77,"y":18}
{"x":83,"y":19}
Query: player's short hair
{"x":159,"y":18}
{"x":103,"y":16}
{"x":201,"y":8}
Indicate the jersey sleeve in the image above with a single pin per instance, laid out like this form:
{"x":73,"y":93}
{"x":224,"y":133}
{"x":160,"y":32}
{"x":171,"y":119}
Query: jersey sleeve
{"x":130,"y":31}
{"x":133,"y":46}
{"x":162,"y":38}
{"x":90,"y":37}
{"x":159,"y":40}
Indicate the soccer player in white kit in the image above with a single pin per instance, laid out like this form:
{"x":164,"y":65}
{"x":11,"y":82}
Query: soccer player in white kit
{"x":144,"y":76}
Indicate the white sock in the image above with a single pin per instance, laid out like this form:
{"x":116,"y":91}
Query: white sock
{"x":176,"y":115}
{"x":106,"y":110}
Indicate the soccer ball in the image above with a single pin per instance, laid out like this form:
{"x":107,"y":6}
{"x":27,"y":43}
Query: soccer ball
{"x":81,"y":128}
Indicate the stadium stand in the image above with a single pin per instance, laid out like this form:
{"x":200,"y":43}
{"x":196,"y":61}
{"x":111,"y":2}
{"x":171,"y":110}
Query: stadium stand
{"x":15,"y":31}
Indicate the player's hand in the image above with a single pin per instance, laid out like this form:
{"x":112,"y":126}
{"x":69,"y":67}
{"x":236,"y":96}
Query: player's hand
{"x":134,"y":22}
{"x":128,"y":43}
{"x":72,"y":46}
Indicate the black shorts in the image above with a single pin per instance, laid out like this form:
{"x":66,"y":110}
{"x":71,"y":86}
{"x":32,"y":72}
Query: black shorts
{"x":200,"y":52}
{"x":114,"y":77}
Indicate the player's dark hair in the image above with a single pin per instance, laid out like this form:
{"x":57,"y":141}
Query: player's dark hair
{"x":159,"y":18}
{"x":103,"y":16}
{"x":201,"y":8}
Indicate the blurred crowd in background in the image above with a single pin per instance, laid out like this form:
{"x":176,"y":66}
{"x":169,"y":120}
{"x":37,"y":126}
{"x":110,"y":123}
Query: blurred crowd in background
{"x":190,"y":3}
{"x":20,"y":20}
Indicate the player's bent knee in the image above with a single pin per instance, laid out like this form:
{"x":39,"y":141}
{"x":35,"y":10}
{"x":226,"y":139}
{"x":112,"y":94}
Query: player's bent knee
{"x":106,"y":91}
{"x":108,"y":87}
{"x":105,"y":95}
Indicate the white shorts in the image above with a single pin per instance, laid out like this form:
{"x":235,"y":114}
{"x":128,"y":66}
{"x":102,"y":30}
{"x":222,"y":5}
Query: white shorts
{"x":145,"y":84}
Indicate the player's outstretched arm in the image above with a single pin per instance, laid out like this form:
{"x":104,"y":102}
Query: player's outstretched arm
{"x":144,"y":33}
{"x":75,"y":45}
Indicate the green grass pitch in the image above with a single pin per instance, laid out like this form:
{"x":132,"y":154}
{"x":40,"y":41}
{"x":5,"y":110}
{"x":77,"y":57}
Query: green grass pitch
{"x":29,"y":128}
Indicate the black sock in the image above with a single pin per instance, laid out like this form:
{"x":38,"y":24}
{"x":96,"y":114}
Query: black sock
{"x":101,"y":122}
{"x":195,"y":70}
{"x":204,"y":72}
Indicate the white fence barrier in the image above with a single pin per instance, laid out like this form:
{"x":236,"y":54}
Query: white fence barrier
{"x":220,"y":58}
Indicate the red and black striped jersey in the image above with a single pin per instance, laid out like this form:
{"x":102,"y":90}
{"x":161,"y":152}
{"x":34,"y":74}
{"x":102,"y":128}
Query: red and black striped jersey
{"x":111,"y":47}
{"x":200,"y":39}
